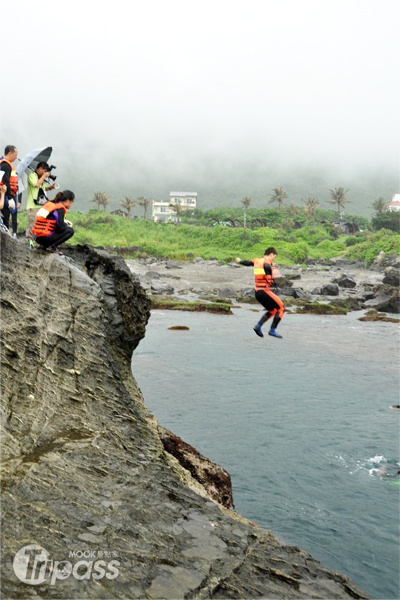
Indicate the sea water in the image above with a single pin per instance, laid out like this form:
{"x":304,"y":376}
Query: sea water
{"x":303,"y":425}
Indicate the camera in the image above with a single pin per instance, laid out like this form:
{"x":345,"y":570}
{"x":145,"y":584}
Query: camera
{"x":52,"y":177}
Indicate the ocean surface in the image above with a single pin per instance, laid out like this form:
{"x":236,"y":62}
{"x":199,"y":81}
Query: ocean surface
{"x":302,"y":424}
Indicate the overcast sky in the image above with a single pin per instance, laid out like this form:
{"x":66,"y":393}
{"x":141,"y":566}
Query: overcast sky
{"x":172,"y":82}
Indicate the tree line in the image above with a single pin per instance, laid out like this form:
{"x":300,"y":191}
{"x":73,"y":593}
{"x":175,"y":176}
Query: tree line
{"x":337,"y":196}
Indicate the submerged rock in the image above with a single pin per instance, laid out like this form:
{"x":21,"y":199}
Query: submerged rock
{"x":85,"y":474}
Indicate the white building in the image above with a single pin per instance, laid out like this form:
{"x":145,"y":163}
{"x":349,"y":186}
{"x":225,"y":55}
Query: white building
{"x":163,"y":211}
{"x":395,"y":203}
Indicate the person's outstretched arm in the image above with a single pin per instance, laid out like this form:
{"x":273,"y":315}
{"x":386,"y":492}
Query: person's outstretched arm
{"x":246,"y":263}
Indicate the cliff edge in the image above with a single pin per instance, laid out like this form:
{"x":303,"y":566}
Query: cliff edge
{"x":93,"y":504}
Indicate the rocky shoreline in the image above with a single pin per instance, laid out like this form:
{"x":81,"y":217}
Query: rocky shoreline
{"x":348,"y":285}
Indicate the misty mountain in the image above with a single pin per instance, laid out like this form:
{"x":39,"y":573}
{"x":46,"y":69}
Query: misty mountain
{"x":224,"y":184}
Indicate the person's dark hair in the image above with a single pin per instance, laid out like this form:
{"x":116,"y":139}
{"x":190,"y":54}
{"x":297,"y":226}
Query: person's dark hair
{"x":43,"y":165}
{"x":65,"y":195}
{"x":270,"y":251}
{"x":8,"y":149}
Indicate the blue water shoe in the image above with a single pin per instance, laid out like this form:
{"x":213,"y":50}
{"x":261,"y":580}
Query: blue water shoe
{"x":274,"y":333}
{"x":257,"y":329}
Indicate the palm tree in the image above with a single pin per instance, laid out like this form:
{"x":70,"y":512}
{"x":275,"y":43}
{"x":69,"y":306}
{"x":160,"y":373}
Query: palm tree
{"x":380,"y":205}
{"x":178,"y":208}
{"x":101,"y":199}
{"x":246,"y":204}
{"x":142,"y":201}
{"x":311,"y":203}
{"x":338,"y":196}
{"x":128,"y":203}
{"x":278,"y":196}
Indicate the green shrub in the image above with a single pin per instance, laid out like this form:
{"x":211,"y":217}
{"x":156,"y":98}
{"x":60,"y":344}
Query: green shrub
{"x":383,"y":240}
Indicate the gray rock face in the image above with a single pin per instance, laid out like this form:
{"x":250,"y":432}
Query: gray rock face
{"x":84,"y":471}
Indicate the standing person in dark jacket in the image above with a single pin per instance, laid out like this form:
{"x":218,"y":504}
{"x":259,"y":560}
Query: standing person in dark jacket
{"x":51,"y":228}
{"x":10,"y":180}
{"x":264,"y":279}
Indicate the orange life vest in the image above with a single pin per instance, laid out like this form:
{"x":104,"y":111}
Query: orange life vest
{"x":13,"y":177}
{"x":262,"y":281}
{"x":45,"y":222}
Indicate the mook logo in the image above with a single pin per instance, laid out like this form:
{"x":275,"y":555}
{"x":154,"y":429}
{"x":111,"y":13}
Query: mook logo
{"x":33,"y":566}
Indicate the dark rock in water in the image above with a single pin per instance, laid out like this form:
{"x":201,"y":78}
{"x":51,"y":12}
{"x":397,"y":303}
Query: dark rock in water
{"x":330,"y":289}
{"x":374,"y":315}
{"x":84,"y":471}
{"x":345,"y":281}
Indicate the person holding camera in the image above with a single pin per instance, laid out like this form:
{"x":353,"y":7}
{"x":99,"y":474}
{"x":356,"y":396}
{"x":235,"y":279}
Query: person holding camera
{"x":36,"y":196}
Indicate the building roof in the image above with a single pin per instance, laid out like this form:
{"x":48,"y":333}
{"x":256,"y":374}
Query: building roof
{"x":183,"y":193}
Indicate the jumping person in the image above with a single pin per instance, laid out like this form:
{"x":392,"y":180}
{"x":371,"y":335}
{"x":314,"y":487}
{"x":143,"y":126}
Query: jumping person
{"x":50,"y":228}
{"x":264,"y":280}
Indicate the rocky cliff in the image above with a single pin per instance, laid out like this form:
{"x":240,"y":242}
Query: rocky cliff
{"x":94,"y":503}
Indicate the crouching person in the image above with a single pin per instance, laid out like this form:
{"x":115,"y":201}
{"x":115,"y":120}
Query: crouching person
{"x":51,"y":229}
